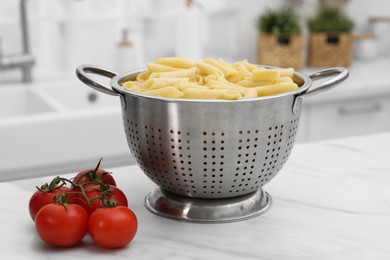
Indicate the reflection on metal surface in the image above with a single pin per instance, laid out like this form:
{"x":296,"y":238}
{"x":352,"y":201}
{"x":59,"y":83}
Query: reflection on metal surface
{"x":170,"y":205}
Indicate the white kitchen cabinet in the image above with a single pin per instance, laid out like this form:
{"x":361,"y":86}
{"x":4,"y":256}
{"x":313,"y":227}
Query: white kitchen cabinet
{"x":344,"y":117}
{"x":359,"y":105}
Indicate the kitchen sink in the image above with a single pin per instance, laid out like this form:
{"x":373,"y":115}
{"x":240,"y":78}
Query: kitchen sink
{"x":79,"y":97}
{"x":58,"y":127}
{"x":20,"y":101}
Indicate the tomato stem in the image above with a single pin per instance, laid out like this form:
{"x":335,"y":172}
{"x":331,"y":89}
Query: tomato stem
{"x":61,"y":199}
{"x":93,"y":175}
{"x":56,"y":183}
{"x":105,"y":190}
{"x":98,"y":165}
{"x":76,"y":186}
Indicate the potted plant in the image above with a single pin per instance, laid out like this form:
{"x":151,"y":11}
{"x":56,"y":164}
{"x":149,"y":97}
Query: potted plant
{"x":330,"y":38}
{"x":280,"y":41}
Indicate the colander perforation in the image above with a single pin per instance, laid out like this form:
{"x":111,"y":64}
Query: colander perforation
{"x":245,"y":161}
{"x":166,"y":156}
{"x":212,"y":162}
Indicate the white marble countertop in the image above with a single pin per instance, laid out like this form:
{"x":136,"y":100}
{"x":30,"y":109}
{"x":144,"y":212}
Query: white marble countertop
{"x":330,"y":201}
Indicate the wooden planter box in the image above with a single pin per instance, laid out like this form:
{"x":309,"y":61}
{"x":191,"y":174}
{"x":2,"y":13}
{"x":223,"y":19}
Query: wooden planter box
{"x":281,"y":51}
{"x":326,"y":49}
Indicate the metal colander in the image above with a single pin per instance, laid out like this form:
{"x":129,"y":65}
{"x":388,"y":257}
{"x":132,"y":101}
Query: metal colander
{"x":210,"y":149}
{"x":208,"y":154}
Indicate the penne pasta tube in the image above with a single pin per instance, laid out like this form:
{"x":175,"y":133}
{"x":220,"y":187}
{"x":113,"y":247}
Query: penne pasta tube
{"x":210,"y":94}
{"x":208,"y":69}
{"x":220,"y":87}
{"x":199,"y":79}
{"x":214,"y":84}
{"x":265,"y":75}
{"x":289,"y":72}
{"x":184,"y":85}
{"x":210,"y":78}
{"x":247,"y":73}
{"x":285,"y":79}
{"x":249,"y":66}
{"x":156,"y":83}
{"x":134,"y":88}
{"x":176,"y":62}
{"x":129,"y":84}
{"x":275,"y":89}
{"x":231,"y":95}
{"x":250,"y":93}
{"x":224,"y":67}
{"x":236,"y":77}
{"x":201,"y":93}
{"x":143,"y":76}
{"x":242,"y":74}
{"x":223,"y":82}
{"x":155,"y":67}
{"x":251,"y":84}
{"x":170,"y":92}
{"x":185,"y":73}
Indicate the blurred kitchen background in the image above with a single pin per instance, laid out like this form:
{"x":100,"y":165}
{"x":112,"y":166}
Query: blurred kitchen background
{"x":50,"y":123}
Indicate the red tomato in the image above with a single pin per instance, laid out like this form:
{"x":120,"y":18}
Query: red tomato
{"x":112,"y":227}
{"x":42,"y":198}
{"x":62,"y":226}
{"x":90,"y":175}
{"x":93,"y":193}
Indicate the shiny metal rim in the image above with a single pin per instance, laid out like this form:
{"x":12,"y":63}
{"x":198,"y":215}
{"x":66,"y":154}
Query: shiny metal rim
{"x":172,"y":206}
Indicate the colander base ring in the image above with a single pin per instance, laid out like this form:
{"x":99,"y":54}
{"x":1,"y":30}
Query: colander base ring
{"x":173,"y":206}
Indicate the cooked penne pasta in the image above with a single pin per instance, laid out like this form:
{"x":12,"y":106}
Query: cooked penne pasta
{"x":275,"y":89}
{"x":155,"y":83}
{"x":185,"y":73}
{"x":134,"y":88}
{"x":165,"y":92}
{"x":250,"y":93}
{"x":183,"y":86}
{"x":210,"y":78}
{"x":215,"y":84}
{"x":286,"y":72}
{"x":251,"y":84}
{"x":176,"y":62}
{"x":241,"y":74}
{"x":211,"y":94}
{"x":174,"y":77}
{"x":224,"y":67}
{"x":265,"y":75}
{"x":236,"y":77}
{"x":155,"y":67}
{"x":199,"y":79}
{"x":208,"y":69}
{"x":143,"y":76}
{"x":129,"y":84}
{"x":286,"y":79}
{"x":249,"y":66}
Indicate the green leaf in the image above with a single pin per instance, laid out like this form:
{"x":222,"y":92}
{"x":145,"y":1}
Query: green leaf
{"x":279,"y":21}
{"x":330,"y":19}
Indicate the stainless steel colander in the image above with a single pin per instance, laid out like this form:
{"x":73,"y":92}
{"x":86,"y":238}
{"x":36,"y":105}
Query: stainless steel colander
{"x":210,"y":158}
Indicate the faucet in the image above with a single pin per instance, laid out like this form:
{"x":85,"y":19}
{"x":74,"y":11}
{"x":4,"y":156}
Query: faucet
{"x":23,"y":60}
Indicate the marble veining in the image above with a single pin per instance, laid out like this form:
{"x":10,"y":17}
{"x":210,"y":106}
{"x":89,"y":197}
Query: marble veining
{"x":330,"y":201}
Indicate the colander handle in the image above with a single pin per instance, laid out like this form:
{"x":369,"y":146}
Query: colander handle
{"x":83,"y":72}
{"x":342,"y":74}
